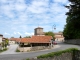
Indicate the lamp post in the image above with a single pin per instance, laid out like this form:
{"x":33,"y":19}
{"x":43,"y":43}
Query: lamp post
{"x":53,"y":27}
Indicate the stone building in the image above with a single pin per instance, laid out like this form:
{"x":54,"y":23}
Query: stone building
{"x":38,"y":31}
{"x":59,"y":36}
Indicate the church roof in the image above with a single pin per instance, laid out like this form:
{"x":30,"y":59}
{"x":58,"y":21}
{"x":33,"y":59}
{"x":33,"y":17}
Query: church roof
{"x":39,"y":28}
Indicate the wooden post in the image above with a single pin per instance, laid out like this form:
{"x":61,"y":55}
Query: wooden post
{"x":31,"y":44}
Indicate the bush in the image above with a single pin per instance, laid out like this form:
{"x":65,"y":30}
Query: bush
{"x":17,"y":50}
{"x":27,"y":59}
{"x":3,"y":50}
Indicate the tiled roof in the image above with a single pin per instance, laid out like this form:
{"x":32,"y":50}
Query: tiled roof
{"x":37,"y":39}
{"x":39,"y":28}
{"x":15,"y":39}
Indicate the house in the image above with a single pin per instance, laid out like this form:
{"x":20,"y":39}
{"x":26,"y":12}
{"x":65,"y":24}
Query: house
{"x":1,"y":37}
{"x":35,"y":43}
{"x":14,"y":40}
{"x":39,"y":32}
{"x":3,"y":42}
{"x":59,"y":36}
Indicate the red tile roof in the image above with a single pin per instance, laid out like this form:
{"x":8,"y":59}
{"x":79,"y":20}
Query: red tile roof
{"x":15,"y":39}
{"x":37,"y":39}
{"x":39,"y":28}
{"x":33,"y":39}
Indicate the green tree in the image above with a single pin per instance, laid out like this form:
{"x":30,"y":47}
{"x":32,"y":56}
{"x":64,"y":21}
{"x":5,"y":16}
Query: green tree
{"x":72,"y":29}
{"x":6,"y":41}
{"x":49,"y":34}
{"x":20,"y":36}
{"x":27,"y":37}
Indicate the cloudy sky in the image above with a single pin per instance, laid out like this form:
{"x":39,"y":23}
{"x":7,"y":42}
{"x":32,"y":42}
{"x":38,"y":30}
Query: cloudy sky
{"x":20,"y":17}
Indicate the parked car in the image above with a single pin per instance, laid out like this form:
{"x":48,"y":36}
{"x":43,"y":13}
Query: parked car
{"x":55,"y":43}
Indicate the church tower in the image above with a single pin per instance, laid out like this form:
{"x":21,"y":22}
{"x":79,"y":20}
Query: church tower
{"x":38,"y":31}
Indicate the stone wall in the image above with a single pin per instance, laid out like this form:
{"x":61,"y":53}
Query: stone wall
{"x":64,"y":56}
{"x":24,"y":49}
{"x":73,"y":41}
{"x":35,"y":48}
{"x":39,"y":48}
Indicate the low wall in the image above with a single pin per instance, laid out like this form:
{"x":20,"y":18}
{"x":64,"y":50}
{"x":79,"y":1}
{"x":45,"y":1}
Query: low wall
{"x":40,"y":48}
{"x":64,"y":56}
{"x":73,"y":41}
{"x":27,"y":49}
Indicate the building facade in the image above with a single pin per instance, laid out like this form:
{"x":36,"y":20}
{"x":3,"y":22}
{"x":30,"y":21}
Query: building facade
{"x":1,"y":37}
{"x":59,"y":36}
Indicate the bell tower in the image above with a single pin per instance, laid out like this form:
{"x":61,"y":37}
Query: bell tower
{"x":38,"y":31}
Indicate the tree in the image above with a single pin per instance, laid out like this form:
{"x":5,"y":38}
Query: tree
{"x":49,"y":34}
{"x":5,"y":43}
{"x":72,"y":29}
{"x":20,"y":37}
{"x":27,"y":37}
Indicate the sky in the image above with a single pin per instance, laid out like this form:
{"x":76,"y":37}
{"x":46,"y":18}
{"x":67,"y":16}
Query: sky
{"x":21,"y":17}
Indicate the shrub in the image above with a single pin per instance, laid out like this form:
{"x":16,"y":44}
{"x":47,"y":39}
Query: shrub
{"x":3,"y":50}
{"x":17,"y":50}
{"x":27,"y":59}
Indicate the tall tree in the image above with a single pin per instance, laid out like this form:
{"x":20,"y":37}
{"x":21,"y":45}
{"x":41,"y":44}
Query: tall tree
{"x":72,"y":28}
{"x":20,"y":36}
{"x":49,"y":34}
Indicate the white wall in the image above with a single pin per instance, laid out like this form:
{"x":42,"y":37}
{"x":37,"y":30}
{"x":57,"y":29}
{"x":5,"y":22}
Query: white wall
{"x":11,"y":42}
{"x":0,"y":39}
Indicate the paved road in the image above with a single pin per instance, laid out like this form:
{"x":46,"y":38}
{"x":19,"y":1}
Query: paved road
{"x":11,"y":50}
{"x":21,"y":56}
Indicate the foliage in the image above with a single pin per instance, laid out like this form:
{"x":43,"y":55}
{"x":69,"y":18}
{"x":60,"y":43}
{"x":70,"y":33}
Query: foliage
{"x":49,"y":34}
{"x":27,"y":37}
{"x":3,"y":50}
{"x":27,"y":59}
{"x":72,"y":29}
{"x":20,"y":37}
{"x":5,"y":43}
{"x":52,"y":54}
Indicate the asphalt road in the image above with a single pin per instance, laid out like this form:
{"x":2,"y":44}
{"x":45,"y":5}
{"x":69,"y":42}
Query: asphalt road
{"x":11,"y":50}
{"x":23,"y":56}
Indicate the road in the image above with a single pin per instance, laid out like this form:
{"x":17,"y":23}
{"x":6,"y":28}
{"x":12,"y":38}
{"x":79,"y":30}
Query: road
{"x":22,"y":56}
{"x":11,"y":50}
